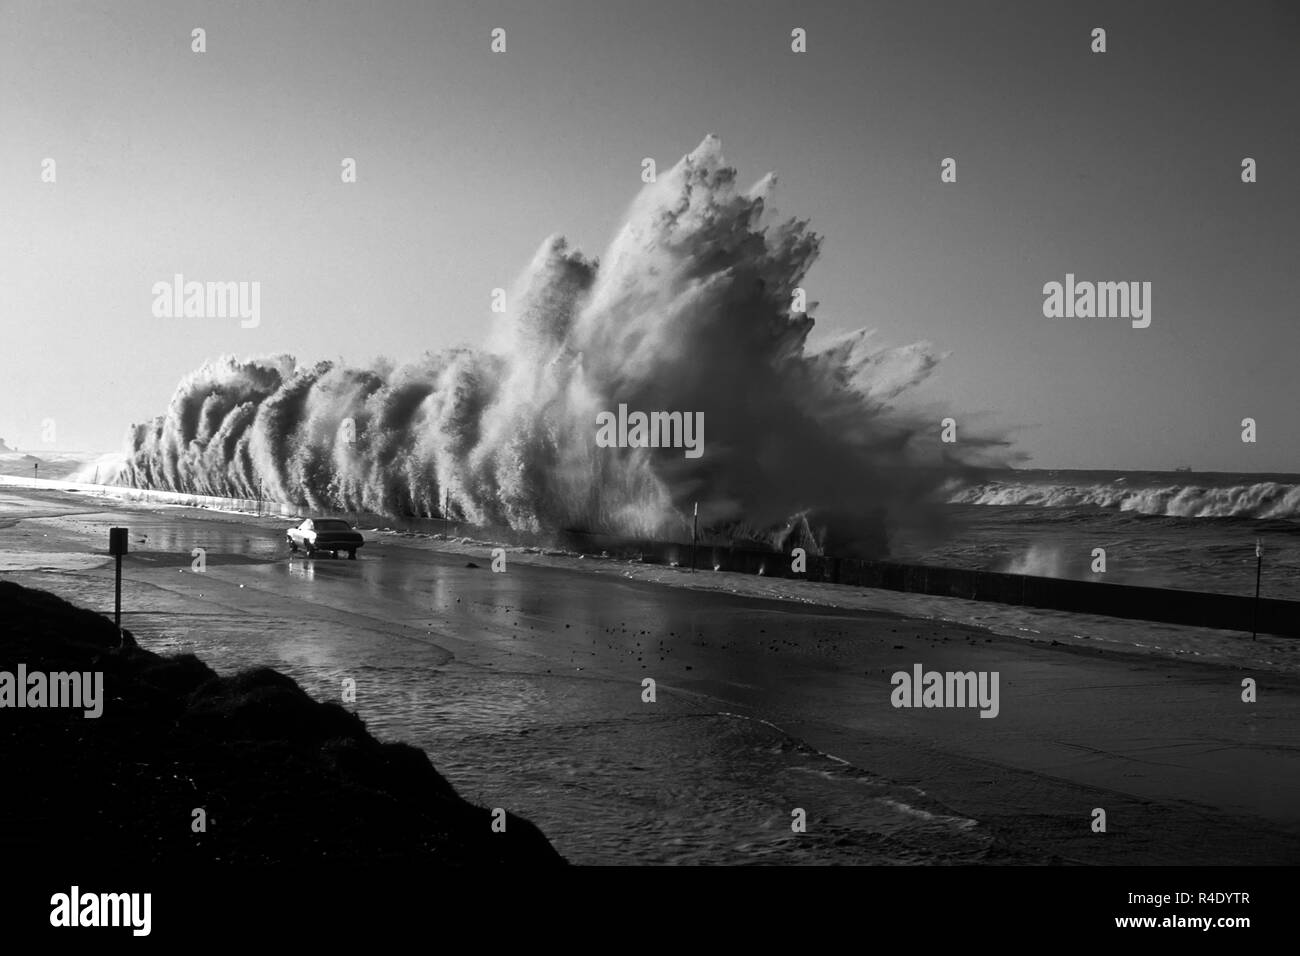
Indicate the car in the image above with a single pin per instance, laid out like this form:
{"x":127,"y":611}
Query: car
{"x":325,"y":534}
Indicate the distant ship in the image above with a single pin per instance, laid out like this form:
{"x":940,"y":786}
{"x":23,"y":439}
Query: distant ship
{"x":1183,"y":468}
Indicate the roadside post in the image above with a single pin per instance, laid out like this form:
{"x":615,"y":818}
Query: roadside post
{"x":695,"y":533}
{"x":117,"y":547}
{"x":1259,"y":567}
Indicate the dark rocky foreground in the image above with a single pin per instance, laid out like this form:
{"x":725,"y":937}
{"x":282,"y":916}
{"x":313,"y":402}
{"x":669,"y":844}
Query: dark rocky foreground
{"x":282,"y":777}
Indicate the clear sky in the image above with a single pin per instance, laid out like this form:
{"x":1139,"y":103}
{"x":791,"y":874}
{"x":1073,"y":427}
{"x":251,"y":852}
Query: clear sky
{"x":226,"y":165}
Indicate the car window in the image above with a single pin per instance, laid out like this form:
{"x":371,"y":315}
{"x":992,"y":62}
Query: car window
{"x":306,"y":525}
{"x":333,"y":525}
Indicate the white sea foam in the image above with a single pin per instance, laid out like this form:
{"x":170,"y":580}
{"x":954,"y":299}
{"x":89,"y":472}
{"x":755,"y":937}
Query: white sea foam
{"x":1266,"y":499}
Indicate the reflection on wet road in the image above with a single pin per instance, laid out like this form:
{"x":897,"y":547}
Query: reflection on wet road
{"x":524,"y":687}
{"x":526,"y":690}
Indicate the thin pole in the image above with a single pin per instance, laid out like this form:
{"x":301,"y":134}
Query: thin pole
{"x":1259,"y":568}
{"x":117,"y":597}
{"x":695,"y":534}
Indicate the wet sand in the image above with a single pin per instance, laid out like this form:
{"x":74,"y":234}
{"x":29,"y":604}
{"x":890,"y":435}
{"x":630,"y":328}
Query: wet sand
{"x":525,"y":689}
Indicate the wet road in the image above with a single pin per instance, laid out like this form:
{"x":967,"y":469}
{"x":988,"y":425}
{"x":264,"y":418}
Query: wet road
{"x":525,"y":688}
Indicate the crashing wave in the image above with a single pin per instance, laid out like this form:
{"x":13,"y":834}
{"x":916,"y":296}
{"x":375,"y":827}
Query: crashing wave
{"x":690,"y":309}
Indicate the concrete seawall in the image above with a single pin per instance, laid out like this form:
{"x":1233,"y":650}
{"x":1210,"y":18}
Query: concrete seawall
{"x":1229,"y":612}
{"x":1193,"y":608}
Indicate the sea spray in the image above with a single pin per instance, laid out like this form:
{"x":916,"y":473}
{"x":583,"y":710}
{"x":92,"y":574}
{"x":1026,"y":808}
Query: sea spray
{"x":690,"y":308}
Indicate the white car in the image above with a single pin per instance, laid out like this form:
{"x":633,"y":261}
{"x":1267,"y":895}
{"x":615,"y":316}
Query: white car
{"x":325,"y":534}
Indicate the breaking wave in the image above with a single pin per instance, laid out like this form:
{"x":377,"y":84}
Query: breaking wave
{"x":690,"y":309}
{"x":1268,"y":499}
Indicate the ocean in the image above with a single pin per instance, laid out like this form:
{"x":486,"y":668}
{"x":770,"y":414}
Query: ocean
{"x":1168,"y":529}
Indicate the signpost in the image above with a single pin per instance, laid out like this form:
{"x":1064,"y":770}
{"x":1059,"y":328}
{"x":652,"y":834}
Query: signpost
{"x":117,"y":548}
